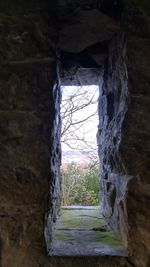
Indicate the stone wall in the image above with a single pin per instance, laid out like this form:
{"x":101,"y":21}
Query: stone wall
{"x":54,"y":168}
{"x":28,"y":133}
{"x":30,"y":128}
{"x":112,"y":110}
{"x":123,"y":139}
{"x":135,"y":148}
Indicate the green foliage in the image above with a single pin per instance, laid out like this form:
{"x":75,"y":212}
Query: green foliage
{"x":80,"y":186}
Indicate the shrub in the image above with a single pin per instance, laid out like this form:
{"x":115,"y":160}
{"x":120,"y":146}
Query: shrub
{"x":80,"y":186}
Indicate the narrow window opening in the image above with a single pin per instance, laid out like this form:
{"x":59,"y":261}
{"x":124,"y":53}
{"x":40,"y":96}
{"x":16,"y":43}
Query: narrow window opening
{"x":81,"y":230}
{"x":80,"y":164}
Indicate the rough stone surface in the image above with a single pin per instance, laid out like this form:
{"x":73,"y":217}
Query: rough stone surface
{"x":112,"y":110}
{"x":80,"y":76}
{"x":135,"y":148}
{"x":27,"y":131}
{"x":29,"y":134}
{"x":55,"y":161}
{"x":124,"y":142}
{"x":92,"y":20}
{"x":82,"y":231}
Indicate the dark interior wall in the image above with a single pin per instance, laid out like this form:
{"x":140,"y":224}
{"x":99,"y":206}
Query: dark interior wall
{"x":29,"y":123}
{"x":27,"y":132}
{"x":135,"y":149}
{"x":28,"y":144}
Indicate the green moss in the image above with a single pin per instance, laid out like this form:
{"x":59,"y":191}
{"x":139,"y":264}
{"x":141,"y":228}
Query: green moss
{"x":62,"y":235}
{"x":80,"y":218}
{"x":85,"y":223}
{"x":70,"y":226}
{"x":108,"y":238}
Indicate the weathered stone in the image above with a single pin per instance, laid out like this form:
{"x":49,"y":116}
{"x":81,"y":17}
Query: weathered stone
{"x":92,"y":20}
{"x":112,"y":108}
{"x":124,"y":144}
{"x":17,"y":85}
{"x":30,"y":130}
{"x":135,"y":141}
{"x":27,"y":115}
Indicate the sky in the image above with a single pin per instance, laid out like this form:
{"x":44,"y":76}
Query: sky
{"x":79,"y":103}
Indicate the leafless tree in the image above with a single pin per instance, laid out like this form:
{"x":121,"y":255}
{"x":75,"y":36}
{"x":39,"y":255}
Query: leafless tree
{"x":78,"y":111}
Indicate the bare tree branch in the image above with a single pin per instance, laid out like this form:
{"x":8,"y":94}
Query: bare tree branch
{"x":74,"y":125}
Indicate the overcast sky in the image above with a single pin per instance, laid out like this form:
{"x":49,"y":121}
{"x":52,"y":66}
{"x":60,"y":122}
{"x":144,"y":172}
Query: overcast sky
{"x":88,"y":129}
